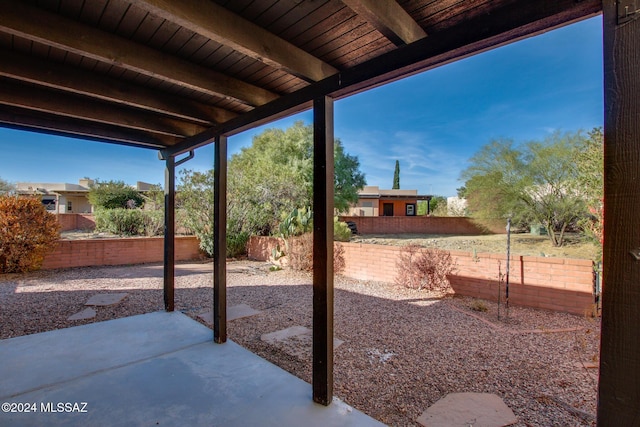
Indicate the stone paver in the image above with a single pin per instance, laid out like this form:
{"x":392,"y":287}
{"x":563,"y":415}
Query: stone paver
{"x":234,"y":312}
{"x":295,"y":341}
{"x":468,"y":409}
{"x":106,"y":299}
{"x":87,"y":313}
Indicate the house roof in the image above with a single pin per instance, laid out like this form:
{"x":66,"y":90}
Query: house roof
{"x":374,"y":192}
{"x":172,"y":75}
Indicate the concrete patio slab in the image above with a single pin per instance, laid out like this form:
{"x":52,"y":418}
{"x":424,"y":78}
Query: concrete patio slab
{"x":234,"y":312}
{"x":87,"y":313}
{"x":106,"y":299}
{"x":468,"y":409}
{"x":154,"y":369}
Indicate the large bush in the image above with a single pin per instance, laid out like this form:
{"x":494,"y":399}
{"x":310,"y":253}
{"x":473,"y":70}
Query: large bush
{"x":27,"y":233}
{"x":130,"y":222}
{"x":115,"y":194}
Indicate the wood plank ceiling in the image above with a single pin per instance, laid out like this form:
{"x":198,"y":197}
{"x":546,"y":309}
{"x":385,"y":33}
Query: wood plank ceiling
{"x":165,"y":73}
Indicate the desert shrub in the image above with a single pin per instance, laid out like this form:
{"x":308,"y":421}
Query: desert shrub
{"x":127,"y":222}
{"x":341,"y":231}
{"x":301,"y":254}
{"x":479,"y":305}
{"x":114,"y":194}
{"x":153,"y":222}
{"x":27,"y":233}
{"x":424,"y":268}
{"x":237,"y":244}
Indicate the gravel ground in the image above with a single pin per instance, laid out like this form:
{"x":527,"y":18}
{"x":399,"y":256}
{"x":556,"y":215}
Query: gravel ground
{"x":403,"y":349}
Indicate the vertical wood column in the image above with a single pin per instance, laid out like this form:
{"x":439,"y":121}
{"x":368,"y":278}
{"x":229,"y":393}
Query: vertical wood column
{"x":323,"y":250}
{"x":619,"y":386}
{"x":220,"y":241}
{"x":169,"y":232}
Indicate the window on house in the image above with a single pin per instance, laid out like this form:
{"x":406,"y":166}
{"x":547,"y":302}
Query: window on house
{"x":411,"y":209}
{"x":367,"y":204}
{"x":69,"y":207}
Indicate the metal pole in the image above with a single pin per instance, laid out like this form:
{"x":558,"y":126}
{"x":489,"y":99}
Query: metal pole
{"x":506,"y":287}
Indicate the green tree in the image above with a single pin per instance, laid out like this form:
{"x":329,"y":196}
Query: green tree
{"x":194,"y":201}
{"x":438,"y":205}
{"x":114,"y":194}
{"x":6,"y":187}
{"x":590,"y":164}
{"x":275,"y":175}
{"x":534,"y":182}
{"x":396,"y":176}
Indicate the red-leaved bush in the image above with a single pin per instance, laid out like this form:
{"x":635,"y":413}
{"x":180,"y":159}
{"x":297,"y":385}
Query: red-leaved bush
{"x":27,"y":233}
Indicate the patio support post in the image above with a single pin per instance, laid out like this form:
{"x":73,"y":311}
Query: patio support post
{"x":220,"y":241}
{"x":169,"y":231}
{"x":323,"y":172}
{"x":619,"y":386}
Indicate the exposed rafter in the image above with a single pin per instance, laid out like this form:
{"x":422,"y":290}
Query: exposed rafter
{"x":389,"y":18}
{"x":50,"y":29}
{"x":44,"y":100}
{"x":78,"y":81}
{"x":29,"y":120}
{"x":217,"y":23}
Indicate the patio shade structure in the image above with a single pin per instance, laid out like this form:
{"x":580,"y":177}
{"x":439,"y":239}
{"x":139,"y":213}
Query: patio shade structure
{"x":174,"y":76}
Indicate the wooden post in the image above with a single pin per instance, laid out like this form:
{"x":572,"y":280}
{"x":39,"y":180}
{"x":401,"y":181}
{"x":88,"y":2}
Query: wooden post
{"x":220,"y":241}
{"x":619,"y":386}
{"x":323,"y":250}
{"x":169,"y":232}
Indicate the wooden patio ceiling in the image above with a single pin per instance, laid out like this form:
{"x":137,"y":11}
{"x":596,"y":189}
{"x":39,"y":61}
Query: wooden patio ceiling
{"x":172,"y":75}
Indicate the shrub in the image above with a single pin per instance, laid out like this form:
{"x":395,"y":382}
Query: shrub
{"x":301,"y":254}
{"x":114,"y":194}
{"x":27,"y":233}
{"x":341,"y":231}
{"x":424,"y":268}
{"x":153,"y":222}
{"x":237,"y":244}
{"x":127,"y":222}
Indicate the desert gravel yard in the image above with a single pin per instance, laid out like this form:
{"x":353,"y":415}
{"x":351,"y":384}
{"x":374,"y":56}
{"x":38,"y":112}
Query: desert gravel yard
{"x":403,"y":349}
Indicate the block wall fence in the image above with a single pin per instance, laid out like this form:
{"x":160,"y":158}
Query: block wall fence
{"x":91,"y":252}
{"x":71,"y":221}
{"x":422,"y":225}
{"x":557,"y":284}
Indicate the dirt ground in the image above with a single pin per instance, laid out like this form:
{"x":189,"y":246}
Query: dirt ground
{"x":521,"y":244}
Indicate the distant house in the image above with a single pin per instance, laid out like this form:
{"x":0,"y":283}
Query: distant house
{"x":372,"y":201}
{"x":63,"y":197}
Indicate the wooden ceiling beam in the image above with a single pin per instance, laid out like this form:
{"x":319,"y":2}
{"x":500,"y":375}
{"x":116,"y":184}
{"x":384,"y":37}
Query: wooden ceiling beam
{"x":35,"y":24}
{"x":53,"y":102}
{"x":34,"y":121}
{"x":388,"y":17}
{"x":214,"y":22}
{"x":78,"y":81}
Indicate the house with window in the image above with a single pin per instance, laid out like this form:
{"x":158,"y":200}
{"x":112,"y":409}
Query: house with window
{"x":60,"y":197}
{"x":372,"y":201}
{"x":64,"y":198}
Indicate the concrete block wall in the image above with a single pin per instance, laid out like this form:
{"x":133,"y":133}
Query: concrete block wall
{"x":549,"y":283}
{"x":93,"y":252}
{"x":73,"y":221}
{"x":421,"y":225}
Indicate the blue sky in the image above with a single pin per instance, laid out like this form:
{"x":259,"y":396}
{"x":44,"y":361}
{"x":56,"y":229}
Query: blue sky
{"x":432,"y":122}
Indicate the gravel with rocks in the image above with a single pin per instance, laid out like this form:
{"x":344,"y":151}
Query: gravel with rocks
{"x":403,"y":349}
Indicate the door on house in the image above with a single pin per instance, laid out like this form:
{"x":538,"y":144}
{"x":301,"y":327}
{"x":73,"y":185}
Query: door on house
{"x":387,"y":209}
